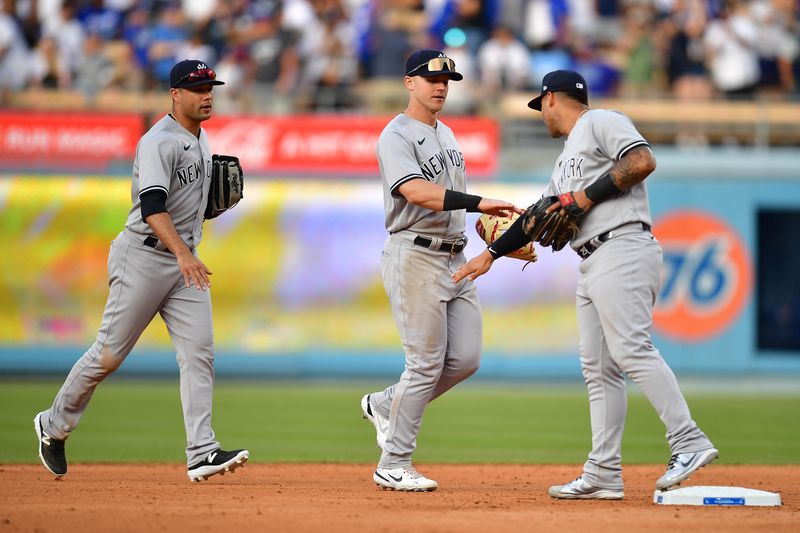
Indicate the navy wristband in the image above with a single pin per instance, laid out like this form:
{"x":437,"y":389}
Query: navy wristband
{"x":458,"y":200}
{"x":602,"y":189}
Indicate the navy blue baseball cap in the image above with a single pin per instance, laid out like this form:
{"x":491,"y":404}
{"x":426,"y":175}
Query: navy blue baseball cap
{"x":431,"y":62}
{"x":192,"y":73}
{"x":560,"y":81}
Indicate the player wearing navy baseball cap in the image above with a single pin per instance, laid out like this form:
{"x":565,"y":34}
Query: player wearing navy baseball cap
{"x":426,"y":203}
{"x":567,"y":81}
{"x":152,"y":265}
{"x":597,"y":192}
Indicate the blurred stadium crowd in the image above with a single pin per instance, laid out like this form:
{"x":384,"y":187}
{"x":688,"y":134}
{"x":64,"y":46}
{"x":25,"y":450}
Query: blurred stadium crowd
{"x":300,"y":55}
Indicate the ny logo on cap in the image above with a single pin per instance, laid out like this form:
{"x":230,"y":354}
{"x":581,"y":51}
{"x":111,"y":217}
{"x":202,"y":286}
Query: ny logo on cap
{"x":579,"y":85}
{"x":200,"y":66}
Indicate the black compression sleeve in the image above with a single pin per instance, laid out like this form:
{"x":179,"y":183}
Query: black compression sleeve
{"x":458,"y":200}
{"x":513,"y":239}
{"x":602,"y":189}
{"x":153,"y":202}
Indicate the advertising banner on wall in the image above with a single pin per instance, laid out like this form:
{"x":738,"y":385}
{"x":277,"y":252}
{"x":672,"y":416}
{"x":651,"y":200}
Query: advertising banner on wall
{"x":68,"y":141}
{"x":335,"y":145}
{"x":705,"y":318}
{"x":306,"y":145}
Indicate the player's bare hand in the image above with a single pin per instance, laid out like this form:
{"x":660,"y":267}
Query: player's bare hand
{"x":194,"y":271}
{"x":498,"y":207}
{"x":477,"y":266}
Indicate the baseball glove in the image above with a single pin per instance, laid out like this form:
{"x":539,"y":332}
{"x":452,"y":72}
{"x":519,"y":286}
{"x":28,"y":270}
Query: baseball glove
{"x":552,"y":229}
{"x":490,"y":227}
{"x":227,"y":185}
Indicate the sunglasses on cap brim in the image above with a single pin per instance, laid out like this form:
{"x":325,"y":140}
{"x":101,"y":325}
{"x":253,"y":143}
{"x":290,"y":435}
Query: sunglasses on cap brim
{"x":204,"y":74}
{"x":436,"y":64}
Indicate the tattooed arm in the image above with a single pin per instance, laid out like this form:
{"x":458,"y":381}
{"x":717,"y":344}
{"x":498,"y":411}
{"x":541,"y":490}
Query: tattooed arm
{"x":632,"y":168}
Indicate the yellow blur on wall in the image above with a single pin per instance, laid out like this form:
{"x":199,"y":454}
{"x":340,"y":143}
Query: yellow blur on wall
{"x":296,"y":267}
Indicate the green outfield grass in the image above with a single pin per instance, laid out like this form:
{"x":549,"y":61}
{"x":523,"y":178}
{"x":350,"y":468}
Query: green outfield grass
{"x":140,"y":421}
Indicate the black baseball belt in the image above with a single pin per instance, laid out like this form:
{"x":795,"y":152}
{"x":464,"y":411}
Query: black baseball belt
{"x":589,"y":248}
{"x":453,"y":247}
{"x":153,"y":242}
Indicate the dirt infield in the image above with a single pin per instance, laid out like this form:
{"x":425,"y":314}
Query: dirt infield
{"x":332,"y":497}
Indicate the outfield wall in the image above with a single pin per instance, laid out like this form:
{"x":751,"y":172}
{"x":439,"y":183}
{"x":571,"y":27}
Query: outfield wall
{"x":297,"y":290}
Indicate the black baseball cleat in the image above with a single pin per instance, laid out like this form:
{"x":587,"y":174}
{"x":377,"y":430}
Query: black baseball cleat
{"x":51,"y":451}
{"x":218,"y":462}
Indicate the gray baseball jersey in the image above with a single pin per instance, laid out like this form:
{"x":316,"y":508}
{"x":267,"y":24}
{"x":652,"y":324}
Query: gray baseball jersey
{"x":144,"y":279}
{"x":617,"y":289}
{"x":169,"y":158}
{"x":407,"y":150}
{"x":600,"y":138}
{"x":439,"y":322}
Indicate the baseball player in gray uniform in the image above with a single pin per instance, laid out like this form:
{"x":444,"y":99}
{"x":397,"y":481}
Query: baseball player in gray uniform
{"x":425,"y":201}
{"x":602,"y":169}
{"x":153,"y":267}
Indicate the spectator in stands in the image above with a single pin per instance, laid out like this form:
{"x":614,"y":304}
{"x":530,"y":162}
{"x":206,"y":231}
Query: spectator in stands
{"x":95,"y":70}
{"x":684,"y":55}
{"x":545,"y":23}
{"x":298,"y":14}
{"x":137,"y":33}
{"x":396,"y":28}
{"x":27,"y":15}
{"x":582,"y":23}
{"x":167,"y":36}
{"x":69,"y":35}
{"x":98,"y":18}
{"x":274,"y":64}
{"x":634,"y":50}
{"x":13,"y":53}
{"x":45,"y":65}
{"x":503,"y":62}
{"x":681,"y":33}
{"x":476,"y":18}
{"x":778,"y":48}
{"x":731,"y":42}
{"x":195,"y":47}
{"x":330,"y":65}
{"x":198,"y":12}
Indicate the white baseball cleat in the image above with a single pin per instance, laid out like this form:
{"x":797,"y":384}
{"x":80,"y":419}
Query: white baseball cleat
{"x":381,"y":424}
{"x":683,"y":465}
{"x":404,"y":479}
{"x":218,"y":462}
{"x":580,"y":489}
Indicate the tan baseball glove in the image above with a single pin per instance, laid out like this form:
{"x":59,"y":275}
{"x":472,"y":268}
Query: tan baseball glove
{"x":490,"y":227}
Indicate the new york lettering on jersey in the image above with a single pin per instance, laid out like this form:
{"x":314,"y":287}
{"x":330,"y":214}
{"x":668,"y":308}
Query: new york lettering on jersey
{"x":570,"y":168}
{"x":190,"y":173}
{"x":434,"y":164}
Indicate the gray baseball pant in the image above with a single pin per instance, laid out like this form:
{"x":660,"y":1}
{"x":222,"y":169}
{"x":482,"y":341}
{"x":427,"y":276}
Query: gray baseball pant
{"x":143,"y":282}
{"x":440,"y":327}
{"x":617,"y":289}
